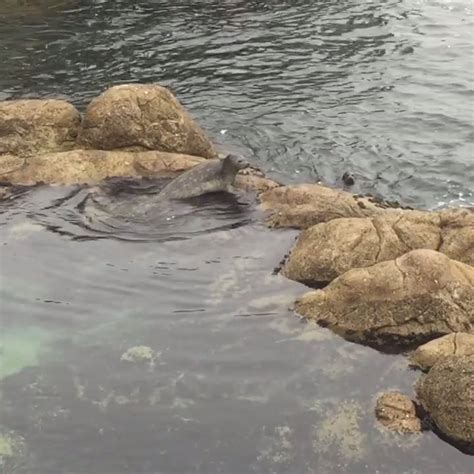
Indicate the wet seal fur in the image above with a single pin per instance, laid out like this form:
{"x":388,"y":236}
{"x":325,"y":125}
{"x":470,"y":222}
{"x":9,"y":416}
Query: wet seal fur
{"x":208,"y":177}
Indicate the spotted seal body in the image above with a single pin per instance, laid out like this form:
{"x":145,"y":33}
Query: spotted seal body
{"x":207,"y":177}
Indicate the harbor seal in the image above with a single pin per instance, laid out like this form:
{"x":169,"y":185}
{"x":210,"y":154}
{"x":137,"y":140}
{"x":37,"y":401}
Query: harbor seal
{"x":208,"y":177}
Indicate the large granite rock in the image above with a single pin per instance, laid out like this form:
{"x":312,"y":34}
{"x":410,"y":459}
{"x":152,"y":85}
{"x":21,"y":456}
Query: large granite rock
{"x":138,"y":116}
{"x":34,"y":126}
{"x":410,"y":300}
{"x":454,"y":344}
{"x":327,"y":250}
{"x":305,"y":205}
{"x":446,"y":392}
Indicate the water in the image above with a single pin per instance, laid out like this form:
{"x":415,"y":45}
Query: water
{"x":306,"y":90}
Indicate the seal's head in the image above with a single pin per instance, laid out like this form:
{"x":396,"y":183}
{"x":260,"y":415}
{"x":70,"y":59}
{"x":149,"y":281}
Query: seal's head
{"x":235,"y":162}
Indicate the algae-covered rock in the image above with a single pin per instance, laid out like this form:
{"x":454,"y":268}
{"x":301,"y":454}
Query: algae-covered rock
{"x":341,"y":433}
{"x":139,"y":354}
{"x":397,"y":412}
{"x":146,"y":116}
{"x":12,"y":452}
{"x":410,"y":300}
{"x":33,"y":126}
{"x":305,"y":205}
{"x":455,"y":344}
{"x":447,"y":394}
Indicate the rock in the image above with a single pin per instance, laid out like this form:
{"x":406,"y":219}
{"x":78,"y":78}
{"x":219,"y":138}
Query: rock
{"x":144,"y":117}
{"x":446,"y":392}
{"x":305,"y":205}
{"x":397,"y":413}
{"x":254,"y":182}
{"x":455,"y":344}
{"x":398,"y":303}
{"x":37,"y":126}
{"x":458,"y":234}
{"x":139,"y":354}
{"x":92,"y":166}
{"x":327,"y":250}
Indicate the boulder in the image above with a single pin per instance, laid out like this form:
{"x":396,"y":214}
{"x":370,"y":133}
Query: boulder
{"x":397,"y":413}
{"x":454,"y":344}
{"x":92,"y":166}
{"x":446,"y":392}
{"x":398,"y":303}
{"x":35,"y":126}
{"x":138,"y":116}
{"x":327,"y":250}
{"x":305,"y":205}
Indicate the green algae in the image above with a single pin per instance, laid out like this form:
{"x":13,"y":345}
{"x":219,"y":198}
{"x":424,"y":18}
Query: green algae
{"x":21,"y":348}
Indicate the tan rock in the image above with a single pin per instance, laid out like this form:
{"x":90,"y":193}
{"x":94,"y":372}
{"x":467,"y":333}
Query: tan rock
{"x":458,"y":234}
{"x":144,"y":117}
{"x":410,"y":300}
{"x":305,"y":205}
{"x":92,"y":166}
{"x":455,"y":344}
{"x":254,"y":182}
{"x":37,"y":126}
{"x":329,"y":249}
{"x":447,"y":393}
{"x":397,"y":413}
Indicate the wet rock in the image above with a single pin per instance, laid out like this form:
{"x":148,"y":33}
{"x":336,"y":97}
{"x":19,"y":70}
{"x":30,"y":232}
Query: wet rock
{"x":398,"y":303}
{"x":327,"y":250}
{"x":37,"y":126}
{"x":455,"y":344}
{"x":446,"y":392}
{"x":92,"y":166}
{"x":397,"y":413}
{"x":139,"y":354}
{"x":305,"y":205}
{"x":139,"y":116}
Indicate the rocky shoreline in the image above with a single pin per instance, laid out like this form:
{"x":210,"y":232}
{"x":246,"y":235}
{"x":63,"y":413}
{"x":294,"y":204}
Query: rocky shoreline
{"x":382,"y":275}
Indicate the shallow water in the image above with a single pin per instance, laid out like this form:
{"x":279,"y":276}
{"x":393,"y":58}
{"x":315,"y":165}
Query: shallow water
{"x":238,"y":384}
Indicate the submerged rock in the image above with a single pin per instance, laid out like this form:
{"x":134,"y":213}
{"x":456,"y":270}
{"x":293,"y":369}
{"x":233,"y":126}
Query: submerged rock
{"x":397,"y":413}
{"x":447,"y":393}
{"x":305,"y":205}
{"x":327,"y":250}
{"x":12,"y":453}
{"x":410,"y":300}
{"x":37,"y":126}
{"x":144,"y":117}
{"x":455,"y":344}
{"x":139,"y":354}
